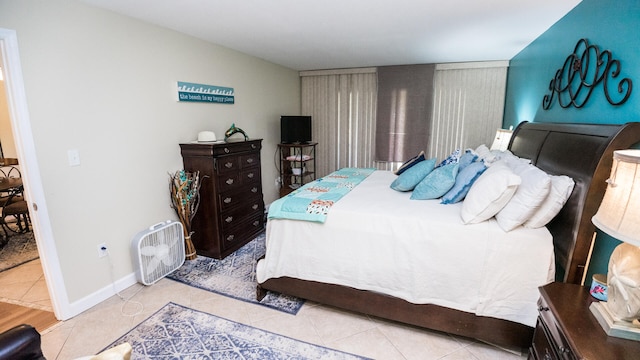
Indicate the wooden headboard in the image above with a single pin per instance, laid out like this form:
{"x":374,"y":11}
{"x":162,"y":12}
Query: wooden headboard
{"x":585,"y":153}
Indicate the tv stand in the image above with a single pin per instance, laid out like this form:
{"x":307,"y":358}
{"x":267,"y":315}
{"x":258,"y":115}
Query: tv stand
{"x":297,"y":165}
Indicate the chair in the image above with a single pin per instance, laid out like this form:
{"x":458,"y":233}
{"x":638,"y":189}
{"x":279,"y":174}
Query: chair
{"x":15,"y":213}
{"x":12,"y":173}
{"x":14,"y":216}
{"x":21,"y":343}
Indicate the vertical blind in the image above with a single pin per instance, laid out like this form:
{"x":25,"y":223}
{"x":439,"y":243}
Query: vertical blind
{"x":468,"y":105}
{"x":463,"y":111}
{"x":403,"y":122}
{"x":343,"y":108}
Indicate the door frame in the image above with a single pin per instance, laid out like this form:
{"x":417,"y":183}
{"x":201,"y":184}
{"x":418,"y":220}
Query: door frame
{"x":25,"y":148}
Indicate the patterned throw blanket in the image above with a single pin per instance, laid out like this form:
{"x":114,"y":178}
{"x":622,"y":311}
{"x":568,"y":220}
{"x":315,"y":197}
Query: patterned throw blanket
{"x":312,"y":201}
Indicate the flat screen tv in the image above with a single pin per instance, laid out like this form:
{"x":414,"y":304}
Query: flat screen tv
{"x":295,"y":129}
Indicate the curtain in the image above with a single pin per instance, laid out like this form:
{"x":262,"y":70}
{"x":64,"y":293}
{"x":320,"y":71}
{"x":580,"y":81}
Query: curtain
{"x":342,"y":104}
{"x":405,"y":95}
{"x":468,"y":105}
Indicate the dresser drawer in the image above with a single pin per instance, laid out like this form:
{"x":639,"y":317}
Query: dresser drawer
{"x":236,"y":147}
{"x":239,"y":197}
{"x":249,"y":160}
{"x":542,"y":348}
{"x":227,"y":164}
{"x":242,"y":230}
{"x":555,"y":337}
{"x":250,"y":179}
{"x":238,"y":215}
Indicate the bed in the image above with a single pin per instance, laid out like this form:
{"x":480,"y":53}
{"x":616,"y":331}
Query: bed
{"x":496,"y":310}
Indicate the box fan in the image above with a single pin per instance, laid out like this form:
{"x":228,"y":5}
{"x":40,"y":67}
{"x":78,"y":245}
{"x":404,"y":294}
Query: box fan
{"x":158,"y":251}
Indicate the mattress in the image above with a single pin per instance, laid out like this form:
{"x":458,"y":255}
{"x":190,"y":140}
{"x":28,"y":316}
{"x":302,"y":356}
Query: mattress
{"x":377,"y":239}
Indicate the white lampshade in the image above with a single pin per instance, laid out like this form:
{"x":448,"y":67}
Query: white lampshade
{"x":619,"y":216}
{"x":501,"y":141}
{"x":619,"y":212}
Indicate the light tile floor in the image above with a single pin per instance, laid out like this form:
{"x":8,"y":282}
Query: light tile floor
{"x":94,"y":329}
{"x":25,"y":285}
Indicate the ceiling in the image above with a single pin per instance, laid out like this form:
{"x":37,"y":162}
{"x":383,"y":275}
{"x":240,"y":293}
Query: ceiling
{"x":330,"y":34}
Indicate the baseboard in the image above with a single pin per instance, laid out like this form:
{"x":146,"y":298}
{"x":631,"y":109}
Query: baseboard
{"x":101,"y":295}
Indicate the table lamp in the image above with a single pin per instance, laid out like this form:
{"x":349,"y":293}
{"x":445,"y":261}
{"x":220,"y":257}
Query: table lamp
{"x":619,"y":217}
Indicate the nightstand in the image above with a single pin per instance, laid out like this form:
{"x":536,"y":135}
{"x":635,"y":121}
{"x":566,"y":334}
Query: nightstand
{"x":566,"y":329}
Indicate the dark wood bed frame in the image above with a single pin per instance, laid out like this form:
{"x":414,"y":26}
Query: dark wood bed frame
{"x":581,"y":151}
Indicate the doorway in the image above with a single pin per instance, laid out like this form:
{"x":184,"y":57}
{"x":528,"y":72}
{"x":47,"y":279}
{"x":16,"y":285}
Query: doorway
{"x":22,"y":279}
{"x":25,"y":148}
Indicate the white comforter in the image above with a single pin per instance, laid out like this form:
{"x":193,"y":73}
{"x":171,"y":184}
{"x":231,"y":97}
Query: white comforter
{"x":377,"y":239}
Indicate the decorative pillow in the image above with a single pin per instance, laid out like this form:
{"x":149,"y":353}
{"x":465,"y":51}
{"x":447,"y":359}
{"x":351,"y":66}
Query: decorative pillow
{"x":491,"y":156}
{"x":485,"y":154}
{"x":452,"y":158}
{"x":525,"y":202}
{"x":411,"y":177}
{"x":409,"y":163}
{"x":466,"y":177}
{"x":467,"y":159}
{"x":561,"y":188}
{"x":489,"y":194}
{"x":120,"y":352}
{"x":437,"y":183}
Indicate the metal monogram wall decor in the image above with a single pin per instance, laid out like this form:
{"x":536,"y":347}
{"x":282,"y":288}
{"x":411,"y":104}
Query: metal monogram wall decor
{"x":581,"y":72}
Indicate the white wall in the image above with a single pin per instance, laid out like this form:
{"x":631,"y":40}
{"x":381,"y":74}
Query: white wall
{"x":104,"y":84}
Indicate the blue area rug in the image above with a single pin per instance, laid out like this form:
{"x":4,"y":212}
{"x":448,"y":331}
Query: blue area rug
{"x":177,"y":332}
{"x":235,"y":277}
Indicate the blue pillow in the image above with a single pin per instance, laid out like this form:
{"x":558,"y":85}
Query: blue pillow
{"x":409,"y":163}
{"x":437,"y":183}
{"x":410,"y":178}
{"x":452,"y":158}
{"x":466,"y":159}
{"x":466,"y":177}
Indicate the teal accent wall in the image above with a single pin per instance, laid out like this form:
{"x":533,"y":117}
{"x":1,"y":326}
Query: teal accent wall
{"x":612,"y":25}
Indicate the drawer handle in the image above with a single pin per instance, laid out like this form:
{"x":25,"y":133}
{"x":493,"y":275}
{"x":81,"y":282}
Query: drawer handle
{"x":543,"y":308}
{"x":256,"y":223}
{"x":255,"y":207}
{"x":253,"y":146}
{"x":226,"y":150}
{"x":250,"y":175}
{"x":250,"y":161}
{"x":564,"y":350}
{"x":229,"y":181}
{"x":228,"y":165}
{"x":254,"y":190}
{"x":227,"y":200}
{"x":229,"y":219}
{"x":230,"y":237}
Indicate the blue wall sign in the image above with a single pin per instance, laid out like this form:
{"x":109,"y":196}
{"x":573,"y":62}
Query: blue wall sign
{"x":205,"y":93}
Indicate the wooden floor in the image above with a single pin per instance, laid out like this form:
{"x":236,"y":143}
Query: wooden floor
{"x":12,"y":315}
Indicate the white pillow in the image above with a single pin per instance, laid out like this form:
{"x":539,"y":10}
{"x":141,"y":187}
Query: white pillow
{"x":525,"y":202}
{"x":489,"y":193}
{"x":491,"y":156}
{"x":561,"y":188}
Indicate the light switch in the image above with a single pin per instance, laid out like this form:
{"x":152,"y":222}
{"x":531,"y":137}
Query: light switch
{"x":74,"y":157}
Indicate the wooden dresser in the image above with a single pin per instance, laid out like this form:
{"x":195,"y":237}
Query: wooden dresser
{"x":231,"y":211}
{"x":566,"y":329}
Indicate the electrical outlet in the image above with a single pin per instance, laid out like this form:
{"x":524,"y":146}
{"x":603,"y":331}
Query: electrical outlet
{"x":278,"y":180}
{"x":102,"y":250}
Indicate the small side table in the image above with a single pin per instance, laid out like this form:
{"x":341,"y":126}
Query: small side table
{"x":566,"y":329}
